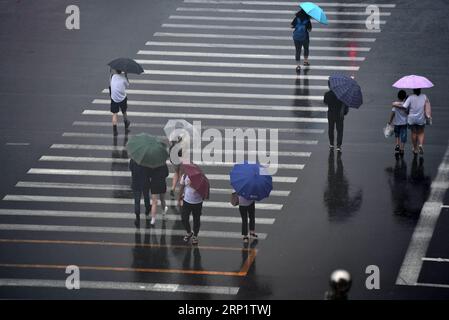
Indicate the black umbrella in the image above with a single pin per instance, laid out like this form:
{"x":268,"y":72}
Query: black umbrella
{"x":126,"y":65}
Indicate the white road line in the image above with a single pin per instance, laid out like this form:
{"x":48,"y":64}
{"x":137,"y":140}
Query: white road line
{"x":18,"y":144}
{"x":159,"y":126}
{"x":285,"y":29}
{"x":122,"y":286}
{"x":243,"y":56}
{"x":235,"y":75}
{"x":119,"y":215}
{"x":228,"y":85}
{"x":117,"y":173}
{"x":412,"y":264}
{"x":258,"y":37}
{"x":264,"y":20}
{"x":86,"y":186}
{"x":292,"y":3}
{"x":440,"y":185}
{"x":445,"y":206}
{"x":433,"y":285}
{"x":125,"y":161}
{"x":108,"y":136}
{"x":435,"y":259}
{"x":280,"y":12}
{"x":223,"y":95}
{"x":99,"y":200}
{"x":241,"y":65}
{"x":213,"y":105}
{"x":209,"y":116}
{"x":252,"y":46}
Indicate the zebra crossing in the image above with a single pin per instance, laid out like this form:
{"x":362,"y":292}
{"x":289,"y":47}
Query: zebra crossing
{"x":236,"y":73}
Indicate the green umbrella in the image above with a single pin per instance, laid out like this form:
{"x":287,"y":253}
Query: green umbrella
{"x":147,"y":150}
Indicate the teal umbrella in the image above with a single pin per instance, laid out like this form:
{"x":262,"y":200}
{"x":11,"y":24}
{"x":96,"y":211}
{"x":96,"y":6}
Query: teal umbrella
{"x":314,"y":11}
{"x":147,"y":150}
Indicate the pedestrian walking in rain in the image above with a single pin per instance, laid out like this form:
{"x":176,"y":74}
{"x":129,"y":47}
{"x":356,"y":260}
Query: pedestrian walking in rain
{"x":141,"y":182}
{"x":416,"y":106}
{"x":194,"y":189}
{"x":302,"y":26}
{"x":119,"y":101}
{"x":247,"y":210}
{"x":158,"y":188}
{"x":335,"y":115}
{"x":398,"y":118}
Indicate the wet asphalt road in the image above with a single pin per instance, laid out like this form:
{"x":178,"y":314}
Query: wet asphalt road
{"x":347,"y":211}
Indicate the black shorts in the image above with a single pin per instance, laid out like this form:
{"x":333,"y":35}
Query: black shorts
{"x":158,"y":186}
{"x":417,"y":128}
{"x":122,"y":105}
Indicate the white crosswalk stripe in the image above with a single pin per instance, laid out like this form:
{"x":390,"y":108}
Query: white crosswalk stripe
{"x":218,"y":61}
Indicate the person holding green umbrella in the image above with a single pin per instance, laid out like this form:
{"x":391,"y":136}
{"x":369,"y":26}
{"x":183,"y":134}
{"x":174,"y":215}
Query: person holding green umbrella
{"x":146,"y":153}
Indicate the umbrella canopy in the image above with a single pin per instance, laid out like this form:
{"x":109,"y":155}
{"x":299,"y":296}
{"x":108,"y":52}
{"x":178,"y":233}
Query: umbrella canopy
{"x":174,"y":127}
{"x":314,"y":11}
{"x":126,"y":65}
{"x":347,"y":90}
{"x":147,"y":150}
{"x":413,"y":82}
{"x":198,"y":179}
{"x":250,"y":181}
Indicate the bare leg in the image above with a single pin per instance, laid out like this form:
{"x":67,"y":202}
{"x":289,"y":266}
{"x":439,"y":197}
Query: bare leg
{"x":153,"y":205}
{"x":175,"y":179}
{"x":421,"y":138}
{"x":114,"y":119}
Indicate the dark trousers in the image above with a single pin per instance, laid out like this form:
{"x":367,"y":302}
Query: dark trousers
{"x":195,"y":210}
{"x":298,"y":47}
{"x":335,"y":122}
{"x":138,"y":197}
{"x":248,"y":212}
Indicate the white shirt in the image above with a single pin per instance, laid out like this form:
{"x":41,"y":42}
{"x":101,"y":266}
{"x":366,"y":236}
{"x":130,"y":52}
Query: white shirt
{"x":245,"y":202}
{"x":118,"y":87}
{"x":416,"y":105}
{"x":190,"y":194}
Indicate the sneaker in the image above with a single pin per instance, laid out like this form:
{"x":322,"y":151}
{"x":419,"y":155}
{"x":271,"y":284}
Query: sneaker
{"x":339,"y":149}
{"x":331,"y":146}
{"x":397,"y":149}
{"x":298,"y":69}
{"x":187,"y":237}
{"x":194,"y":240}
{"x":153,"y":221}
{"x":245,"y":239}
{"x":253,"y":235}
{"x":420,"y":150}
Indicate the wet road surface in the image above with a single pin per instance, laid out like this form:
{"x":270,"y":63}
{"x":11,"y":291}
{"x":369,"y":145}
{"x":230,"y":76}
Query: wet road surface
{"x":66,"y":198}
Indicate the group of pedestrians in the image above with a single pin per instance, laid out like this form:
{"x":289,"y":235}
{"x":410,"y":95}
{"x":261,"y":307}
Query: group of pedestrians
{"x":412,"y":112}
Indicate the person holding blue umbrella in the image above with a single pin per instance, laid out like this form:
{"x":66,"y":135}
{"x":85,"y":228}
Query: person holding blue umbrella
{"x":251,"y":183}
{"x":303,"y":26}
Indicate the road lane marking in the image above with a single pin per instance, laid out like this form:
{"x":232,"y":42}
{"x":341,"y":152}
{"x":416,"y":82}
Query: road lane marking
{"x":265,"y":20}
{"x":292,"y":3}
{"x":257,"y":37}
{"x":213,"y":105}
{"x":119,"y":215}
{"x":430,"y":212}
{"x":280,"y":12}
{"x":210,"y":116}
{"x":121,"y":148}
{"x":223,"y":95}
{"x":160,"y":126}
{"x":117,"y":173}
{"x":122,"y":286}
{"x":241,"y":65}
{"x":17,"y":144}
{"x":253,"y":46}
{"x":117,"y":230}
{"x":243,"y":55}
{"x":235,"y":75}
{"x":285,"y":29}
{"x":435,"y":259}
{"x":126,"y":161}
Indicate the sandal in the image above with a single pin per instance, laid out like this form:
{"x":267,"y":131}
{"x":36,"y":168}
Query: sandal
{"x":188,"y":236}
{"x":306,"y":63}
{"x":253,"y":235}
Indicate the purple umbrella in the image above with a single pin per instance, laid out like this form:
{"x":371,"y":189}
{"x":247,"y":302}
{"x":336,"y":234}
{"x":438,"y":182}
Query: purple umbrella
{"x":347,"y":90}
{"x":413,"y":82}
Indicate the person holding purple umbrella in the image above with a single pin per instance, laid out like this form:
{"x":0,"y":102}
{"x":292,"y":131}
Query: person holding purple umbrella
{"x":418,"y":106}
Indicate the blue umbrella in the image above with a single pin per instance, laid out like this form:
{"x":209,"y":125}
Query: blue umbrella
{"x":250,"y":181}
{"x":314,"y":11}
{"x":347,"y":90}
